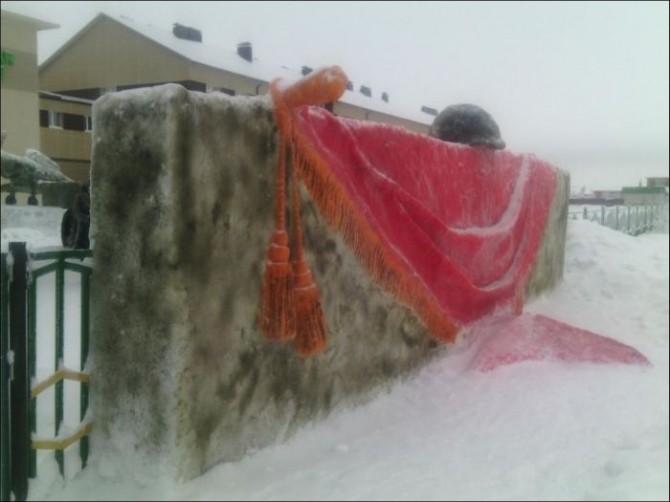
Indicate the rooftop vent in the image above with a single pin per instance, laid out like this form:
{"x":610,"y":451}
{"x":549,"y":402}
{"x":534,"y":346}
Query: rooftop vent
{"x":306,"y":70}
{"x":186,"y":32}
{"x":429,"y":110}
{"x":385,"y":96}
{"x":245,"y":51}
{"x":366,"y":91}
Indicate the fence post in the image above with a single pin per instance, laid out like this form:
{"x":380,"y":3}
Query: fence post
{"x":653,"y":212}
{"x":58,"y":355}
{"x":32,"y":368}
{"x":5,"y":432}
{"x":616,"y":218}
{"x":20,"y":385}
{"x":646,"y":219}
{"x":637,"y":220}
{"x":85,"y":323}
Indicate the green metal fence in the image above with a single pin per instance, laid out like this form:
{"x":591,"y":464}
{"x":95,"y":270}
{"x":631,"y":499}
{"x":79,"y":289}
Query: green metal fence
{"x":630,"y":219}
{"x":22,"y":275}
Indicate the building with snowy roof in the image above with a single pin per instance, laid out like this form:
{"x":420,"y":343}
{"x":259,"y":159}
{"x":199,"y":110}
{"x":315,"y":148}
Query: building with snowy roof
{"x":114,"y":53}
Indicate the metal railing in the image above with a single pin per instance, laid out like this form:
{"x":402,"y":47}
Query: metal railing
{"x":630,"y":219}
{"x":22,"y":274}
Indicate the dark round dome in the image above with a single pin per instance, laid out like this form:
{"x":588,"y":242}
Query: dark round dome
{"x":469,"y":124}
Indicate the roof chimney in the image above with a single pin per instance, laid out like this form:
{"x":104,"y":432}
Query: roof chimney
{"x":429,"y":110}
{"x":306,"y":70}
{"x":186,"y":32}
{"x":385,"y":96}
{"x":245,"y":51}
{"x":366,"y":91}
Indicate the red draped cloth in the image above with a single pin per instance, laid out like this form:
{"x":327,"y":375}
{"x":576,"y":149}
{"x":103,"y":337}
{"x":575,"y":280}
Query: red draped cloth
{"x":452,"y":231}
{"x":466,"y":222}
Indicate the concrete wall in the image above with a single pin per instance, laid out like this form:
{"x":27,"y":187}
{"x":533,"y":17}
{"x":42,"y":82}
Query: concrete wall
{"x":548,"y":269}
{"x":182,"y":194}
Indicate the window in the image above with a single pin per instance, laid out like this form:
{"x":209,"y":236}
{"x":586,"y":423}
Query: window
{"x":67,"y":121}
{"x":55,"y":119}
{"x":224,"y":90}
{"x":73,"y":122}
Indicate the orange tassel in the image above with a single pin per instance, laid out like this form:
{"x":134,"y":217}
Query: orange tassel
{"x":277,"y":317}
{"x":310,"y":324}
{"x":291,"y":306}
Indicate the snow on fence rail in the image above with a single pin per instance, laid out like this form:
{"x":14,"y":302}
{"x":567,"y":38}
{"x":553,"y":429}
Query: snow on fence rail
{"x":630,"y":219}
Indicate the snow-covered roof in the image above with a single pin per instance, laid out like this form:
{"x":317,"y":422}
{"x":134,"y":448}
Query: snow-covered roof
{"x":228,"y":60}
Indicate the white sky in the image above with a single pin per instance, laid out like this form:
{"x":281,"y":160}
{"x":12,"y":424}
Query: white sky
{"x":583,"y":85}
{"x":545,"y":430}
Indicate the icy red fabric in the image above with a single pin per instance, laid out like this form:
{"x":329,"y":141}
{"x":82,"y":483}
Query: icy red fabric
{"x":507,"y":340}
{"x":467,"y":221}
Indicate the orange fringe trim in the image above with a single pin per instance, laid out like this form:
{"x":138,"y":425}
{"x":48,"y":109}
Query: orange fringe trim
{"x":310,"y":323}
{"x":384,"y":266}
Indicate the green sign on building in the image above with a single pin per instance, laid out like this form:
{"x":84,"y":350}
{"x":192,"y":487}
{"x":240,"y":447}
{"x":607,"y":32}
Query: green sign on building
{"x":6,"y":61}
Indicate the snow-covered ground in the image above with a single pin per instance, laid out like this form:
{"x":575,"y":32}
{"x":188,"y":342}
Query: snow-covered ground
{"x":543,"y":430}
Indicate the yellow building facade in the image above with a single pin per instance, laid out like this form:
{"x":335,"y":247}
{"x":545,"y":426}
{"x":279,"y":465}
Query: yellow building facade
{"x":20,"y":84}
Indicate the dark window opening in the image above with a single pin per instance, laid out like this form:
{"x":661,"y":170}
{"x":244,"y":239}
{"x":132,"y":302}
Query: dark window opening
{"x":73,"y":122}
{"x":69,"y":121}
{"x":224,"y":90}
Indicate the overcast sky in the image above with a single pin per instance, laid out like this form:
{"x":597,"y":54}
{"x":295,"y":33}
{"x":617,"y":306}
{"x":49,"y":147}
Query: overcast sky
{"x":583,"y":84}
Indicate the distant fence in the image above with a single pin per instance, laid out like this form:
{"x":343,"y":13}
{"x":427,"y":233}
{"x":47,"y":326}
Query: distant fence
{"x":630,"y":219}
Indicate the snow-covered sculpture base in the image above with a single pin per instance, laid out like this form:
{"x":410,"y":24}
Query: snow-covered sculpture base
{"x":182,"y":201}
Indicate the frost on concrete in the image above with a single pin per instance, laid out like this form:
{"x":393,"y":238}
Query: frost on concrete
{"x":182,"y":201}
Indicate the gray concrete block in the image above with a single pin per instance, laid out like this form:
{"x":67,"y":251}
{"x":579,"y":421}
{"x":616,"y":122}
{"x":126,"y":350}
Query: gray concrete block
{"x":182,"y":201}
